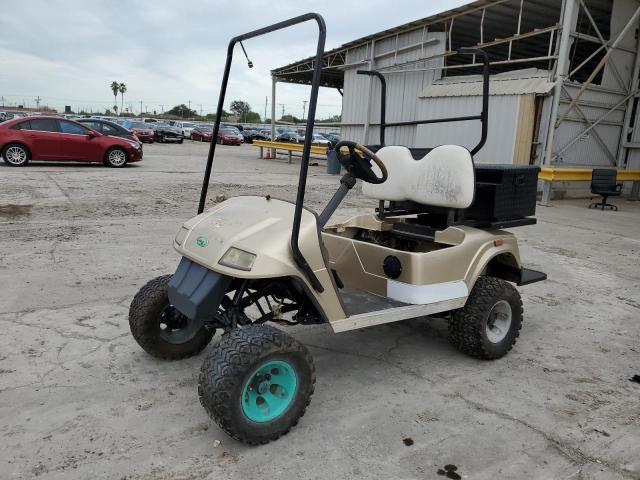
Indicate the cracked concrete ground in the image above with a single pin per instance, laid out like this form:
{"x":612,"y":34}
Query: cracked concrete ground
{"x":79,"y":399}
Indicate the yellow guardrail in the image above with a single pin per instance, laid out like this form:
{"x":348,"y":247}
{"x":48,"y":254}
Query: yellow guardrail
{"x":554,"y":174}
{"x":289,"y":147}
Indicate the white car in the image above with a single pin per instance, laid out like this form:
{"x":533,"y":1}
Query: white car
{"x":184,"y":127}
{"x":319,"y":140}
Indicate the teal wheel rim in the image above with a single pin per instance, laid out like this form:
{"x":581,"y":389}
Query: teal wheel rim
{"x":269,"y":391}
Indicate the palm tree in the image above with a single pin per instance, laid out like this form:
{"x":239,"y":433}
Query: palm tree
{"x":115,"y":86}
{"x":122,"y":88}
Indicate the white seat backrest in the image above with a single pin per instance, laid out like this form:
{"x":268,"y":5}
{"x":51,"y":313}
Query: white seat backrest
{"x":444,"y":177}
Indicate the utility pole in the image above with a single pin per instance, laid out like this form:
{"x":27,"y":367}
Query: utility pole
{"x":304,"y":108}
{"x":161,"y":109}
{"x":140,"y":107}
{"x":282,"y":105}
{"x":189,"y":108}
{"x":265,"y":108}
{"x":37,"y":100}
{"x":200,"y":105}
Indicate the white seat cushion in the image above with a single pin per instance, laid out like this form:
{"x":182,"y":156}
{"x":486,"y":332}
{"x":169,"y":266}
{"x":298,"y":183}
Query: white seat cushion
{"x":444,"y":177}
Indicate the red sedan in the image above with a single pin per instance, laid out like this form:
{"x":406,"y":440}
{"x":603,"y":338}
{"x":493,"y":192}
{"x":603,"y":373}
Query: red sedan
{"x":228,"y":136}
{"x":202,"y":133}
{"x":58,"y":139}
{"x":142,"y":131}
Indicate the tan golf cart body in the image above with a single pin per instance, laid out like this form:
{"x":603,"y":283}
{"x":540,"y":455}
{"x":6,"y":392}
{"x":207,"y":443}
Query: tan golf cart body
{"x":436,"y":276}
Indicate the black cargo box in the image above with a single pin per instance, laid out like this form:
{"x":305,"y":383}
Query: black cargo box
{"x":504,"y":192}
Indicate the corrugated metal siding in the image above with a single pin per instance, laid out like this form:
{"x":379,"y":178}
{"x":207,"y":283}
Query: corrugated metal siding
{"x":402,"y":88}
{"x":403,"y":104}
{"x":503,"y":114}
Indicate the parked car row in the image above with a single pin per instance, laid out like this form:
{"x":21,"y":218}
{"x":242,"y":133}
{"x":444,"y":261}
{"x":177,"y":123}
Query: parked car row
{"x":226,"y":135}
{"x":140,"y":131}
{"x":59,"y":139}
{"x":317,"y":139}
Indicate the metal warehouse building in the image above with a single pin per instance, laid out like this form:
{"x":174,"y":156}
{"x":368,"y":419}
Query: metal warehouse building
{"x":564,"y":85}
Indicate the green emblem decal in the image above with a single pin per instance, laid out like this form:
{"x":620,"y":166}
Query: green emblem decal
{"x":202,"y":241}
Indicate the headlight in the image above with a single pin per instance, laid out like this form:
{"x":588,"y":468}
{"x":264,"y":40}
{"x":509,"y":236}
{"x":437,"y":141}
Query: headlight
{"x":236,"y":258}
{"x":133,"y":144}
{"x":182,"y":235}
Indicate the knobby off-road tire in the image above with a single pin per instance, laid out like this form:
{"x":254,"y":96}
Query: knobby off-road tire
{"x":231,"y":373}
{"x":490,"y":302}
{"x":148,"y":312}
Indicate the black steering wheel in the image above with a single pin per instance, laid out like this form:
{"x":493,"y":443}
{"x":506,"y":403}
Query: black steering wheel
{"x":360,"y":165}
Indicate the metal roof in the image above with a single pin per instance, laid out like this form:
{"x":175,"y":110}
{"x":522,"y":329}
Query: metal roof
{"x":513,"y":83}
{"x":466,"y":18}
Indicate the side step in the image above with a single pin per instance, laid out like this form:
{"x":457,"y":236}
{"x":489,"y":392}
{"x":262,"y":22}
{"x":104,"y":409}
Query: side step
{"x":528,"y":276}
{"x":395,"y":314}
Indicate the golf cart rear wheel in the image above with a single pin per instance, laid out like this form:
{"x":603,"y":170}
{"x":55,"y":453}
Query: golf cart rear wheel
{"x":257,"y":383}
{"x":488,"y":325}
{"x":160,"y":329}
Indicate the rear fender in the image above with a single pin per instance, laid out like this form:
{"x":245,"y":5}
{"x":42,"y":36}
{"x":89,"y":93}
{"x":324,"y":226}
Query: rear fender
{"x":491,"y":256}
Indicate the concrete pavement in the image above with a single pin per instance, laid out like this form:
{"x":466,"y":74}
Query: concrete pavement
{"x":79,"y":399}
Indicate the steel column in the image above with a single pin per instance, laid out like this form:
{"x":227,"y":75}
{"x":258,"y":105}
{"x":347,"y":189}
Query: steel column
{"x":367,"y":123}
{"x":562,"y":68}
{"x":627,"y":114}
{"x":274,"y":80}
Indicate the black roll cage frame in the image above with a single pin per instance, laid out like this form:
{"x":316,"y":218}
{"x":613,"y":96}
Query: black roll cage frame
{"x":306,"y":150}
{"x":483,"y":116}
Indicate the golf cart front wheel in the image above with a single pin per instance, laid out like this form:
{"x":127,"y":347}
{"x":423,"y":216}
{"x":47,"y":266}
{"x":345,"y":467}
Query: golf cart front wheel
{"x":160,"y":329}
{"x":489,"y":324}
{"x":257,"y":383}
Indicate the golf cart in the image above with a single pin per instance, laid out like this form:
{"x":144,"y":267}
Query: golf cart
{"x":434,"y":245}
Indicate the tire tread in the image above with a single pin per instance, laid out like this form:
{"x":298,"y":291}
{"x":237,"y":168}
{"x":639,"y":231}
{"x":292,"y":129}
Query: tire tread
{"x":143,"y":307}
{"x":466,"y":327}
{"x":227,"y":364}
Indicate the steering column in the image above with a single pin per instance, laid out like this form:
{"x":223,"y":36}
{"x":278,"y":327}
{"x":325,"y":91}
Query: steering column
{"x":357,"y":163}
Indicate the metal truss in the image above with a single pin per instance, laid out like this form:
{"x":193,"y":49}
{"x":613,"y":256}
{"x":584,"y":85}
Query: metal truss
{"x":628,"y":89}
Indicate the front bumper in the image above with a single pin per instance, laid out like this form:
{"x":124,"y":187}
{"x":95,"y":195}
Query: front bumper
{"x":197,"y":291}
{"x":135,"y":154}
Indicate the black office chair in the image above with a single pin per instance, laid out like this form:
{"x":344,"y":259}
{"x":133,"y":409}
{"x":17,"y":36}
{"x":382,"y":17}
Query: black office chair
{"x":603,"y":183}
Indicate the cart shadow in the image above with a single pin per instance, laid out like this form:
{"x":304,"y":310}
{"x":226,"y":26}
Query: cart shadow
{"x":411,"y":342}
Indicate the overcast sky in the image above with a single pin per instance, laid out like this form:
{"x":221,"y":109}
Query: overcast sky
{"x":169,"y":52}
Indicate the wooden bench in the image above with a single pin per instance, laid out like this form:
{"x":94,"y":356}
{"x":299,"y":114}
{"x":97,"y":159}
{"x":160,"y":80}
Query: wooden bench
{"x":289,"y":147}
{"x":552,"y":174}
